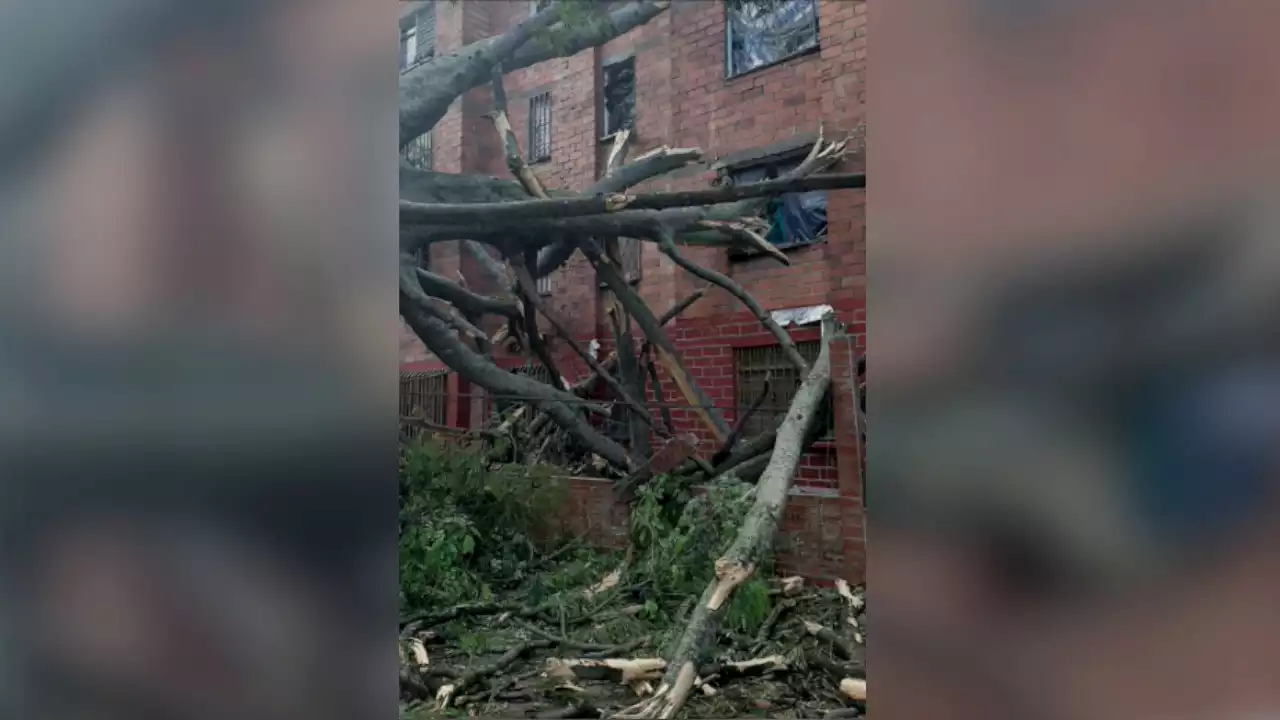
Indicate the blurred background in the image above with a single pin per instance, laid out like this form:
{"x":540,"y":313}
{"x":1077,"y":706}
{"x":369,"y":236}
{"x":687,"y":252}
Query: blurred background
{"x":1074,"y":377}
{"x":197,"y":358}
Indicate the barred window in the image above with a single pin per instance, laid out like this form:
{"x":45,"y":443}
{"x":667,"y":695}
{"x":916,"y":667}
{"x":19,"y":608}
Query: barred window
{"x":540,"y":127}
{"x":544,"y":284}
{"x":764,"y":371}
{"x":764,"y":32}
{"x":425,"y":396}
{"x":418,"y":153}
{"x":619,"y":96}
{"x":418,"y":37}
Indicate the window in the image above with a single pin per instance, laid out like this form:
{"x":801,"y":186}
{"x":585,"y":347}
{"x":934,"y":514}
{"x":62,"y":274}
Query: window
{"x":544,"y":284}
{"x":418,"y":152}
{"x":539,"y":5}
{"x":417,"y":37}
{"x":796,"y":219}
{"x":540,"y":127}
{"x":764,"y":32}
{"x":619,"y":96}
{"x":425,"y":396}
{"x":765,"y":371}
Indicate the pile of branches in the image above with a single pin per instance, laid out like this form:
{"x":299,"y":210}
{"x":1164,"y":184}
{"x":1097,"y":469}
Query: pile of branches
{"x":594,"y":655}
{"x":575,"y":639}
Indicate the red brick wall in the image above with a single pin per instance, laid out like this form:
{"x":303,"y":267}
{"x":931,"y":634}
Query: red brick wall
{"x":684,"y":100}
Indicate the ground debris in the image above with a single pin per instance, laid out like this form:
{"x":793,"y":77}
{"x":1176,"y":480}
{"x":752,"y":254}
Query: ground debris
{"x":568,"y":656}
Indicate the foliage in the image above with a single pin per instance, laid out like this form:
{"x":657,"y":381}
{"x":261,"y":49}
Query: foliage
{"x":463,"y":525}
{"x":677,"y":534}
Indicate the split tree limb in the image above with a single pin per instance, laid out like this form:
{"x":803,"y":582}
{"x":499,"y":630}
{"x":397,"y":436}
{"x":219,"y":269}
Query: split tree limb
{"x":527,"y":284}
{"x":658,"y":337}
{"x":753,"y":540}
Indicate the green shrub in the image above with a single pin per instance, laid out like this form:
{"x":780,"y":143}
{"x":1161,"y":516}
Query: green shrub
{"x":464,"y":526}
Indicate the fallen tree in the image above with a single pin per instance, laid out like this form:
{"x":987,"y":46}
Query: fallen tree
{"x":520,"y":231}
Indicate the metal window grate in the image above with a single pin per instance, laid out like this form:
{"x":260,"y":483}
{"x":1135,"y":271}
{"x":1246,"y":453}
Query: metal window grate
{"x":544,"y":284}
{"x":425,"y":396}
{"x":418,"y":153}
{"x":765,"y":371}
{"x":540,"y":127}
{"x":760,"y":33}
{"x":619,"y":95}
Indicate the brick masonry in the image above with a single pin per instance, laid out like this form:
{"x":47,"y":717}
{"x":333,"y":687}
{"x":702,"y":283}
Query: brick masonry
{"x":685,"y":100}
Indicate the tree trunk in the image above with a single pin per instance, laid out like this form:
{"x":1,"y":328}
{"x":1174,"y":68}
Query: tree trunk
{"x":752,"y":544}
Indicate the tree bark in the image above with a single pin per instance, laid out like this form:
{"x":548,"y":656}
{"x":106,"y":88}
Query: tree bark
{"x":505,"y":213}
{"x":754,"y":540}
{"x":427,"y":90}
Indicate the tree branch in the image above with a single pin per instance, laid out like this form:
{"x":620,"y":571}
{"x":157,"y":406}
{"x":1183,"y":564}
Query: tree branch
{"x":441,"y":287}
{"x":667,"y":245}
{"x":442,"y":342}
{"x":528,"y":284}
{"x":667,"y":353}
{"x":583,"y":206}
{"x":427,"y":90}
{"x":510,"y":144}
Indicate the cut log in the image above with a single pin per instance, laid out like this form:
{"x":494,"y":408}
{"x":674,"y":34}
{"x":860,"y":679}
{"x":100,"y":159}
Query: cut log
{"x":854,"y":688}
{"x":753,"y":541}
{"x":616,"y":670}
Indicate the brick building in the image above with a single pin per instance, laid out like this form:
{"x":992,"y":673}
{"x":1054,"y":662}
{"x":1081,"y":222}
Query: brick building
{"x":749,"y":82}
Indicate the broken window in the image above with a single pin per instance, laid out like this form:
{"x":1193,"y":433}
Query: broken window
{"x":418,"y":153}
{"x":417,"y":37}
{"x":540,"y":127}
{"x":619,"y":96}
{"x":796,"y":219}
{"x":764,"y":32}
{"x":763,"y":375}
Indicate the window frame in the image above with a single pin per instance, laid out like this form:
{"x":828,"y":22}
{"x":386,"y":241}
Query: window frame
{"x":767,"y":417}
{"x":531,"y":146}
{"x":732,"y":73}
{"x":606,"y":134}
{"x":429,"y":152}
{"x":409,"y":28}
{"x":780,"y":164}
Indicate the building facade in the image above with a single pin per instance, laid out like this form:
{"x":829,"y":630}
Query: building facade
{"x":749,"y":82}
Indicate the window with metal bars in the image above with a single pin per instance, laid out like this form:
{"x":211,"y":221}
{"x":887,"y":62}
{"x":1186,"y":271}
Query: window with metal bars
{"x":619,"y":96}
{"x":763,"y":375}
{"x":418,"y":37}
{"x":759,"y":33}
{"x":418,"y":153}
{"x":425,"y":396}
{"x":540,"y":127}
{"x":544,"y":284}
